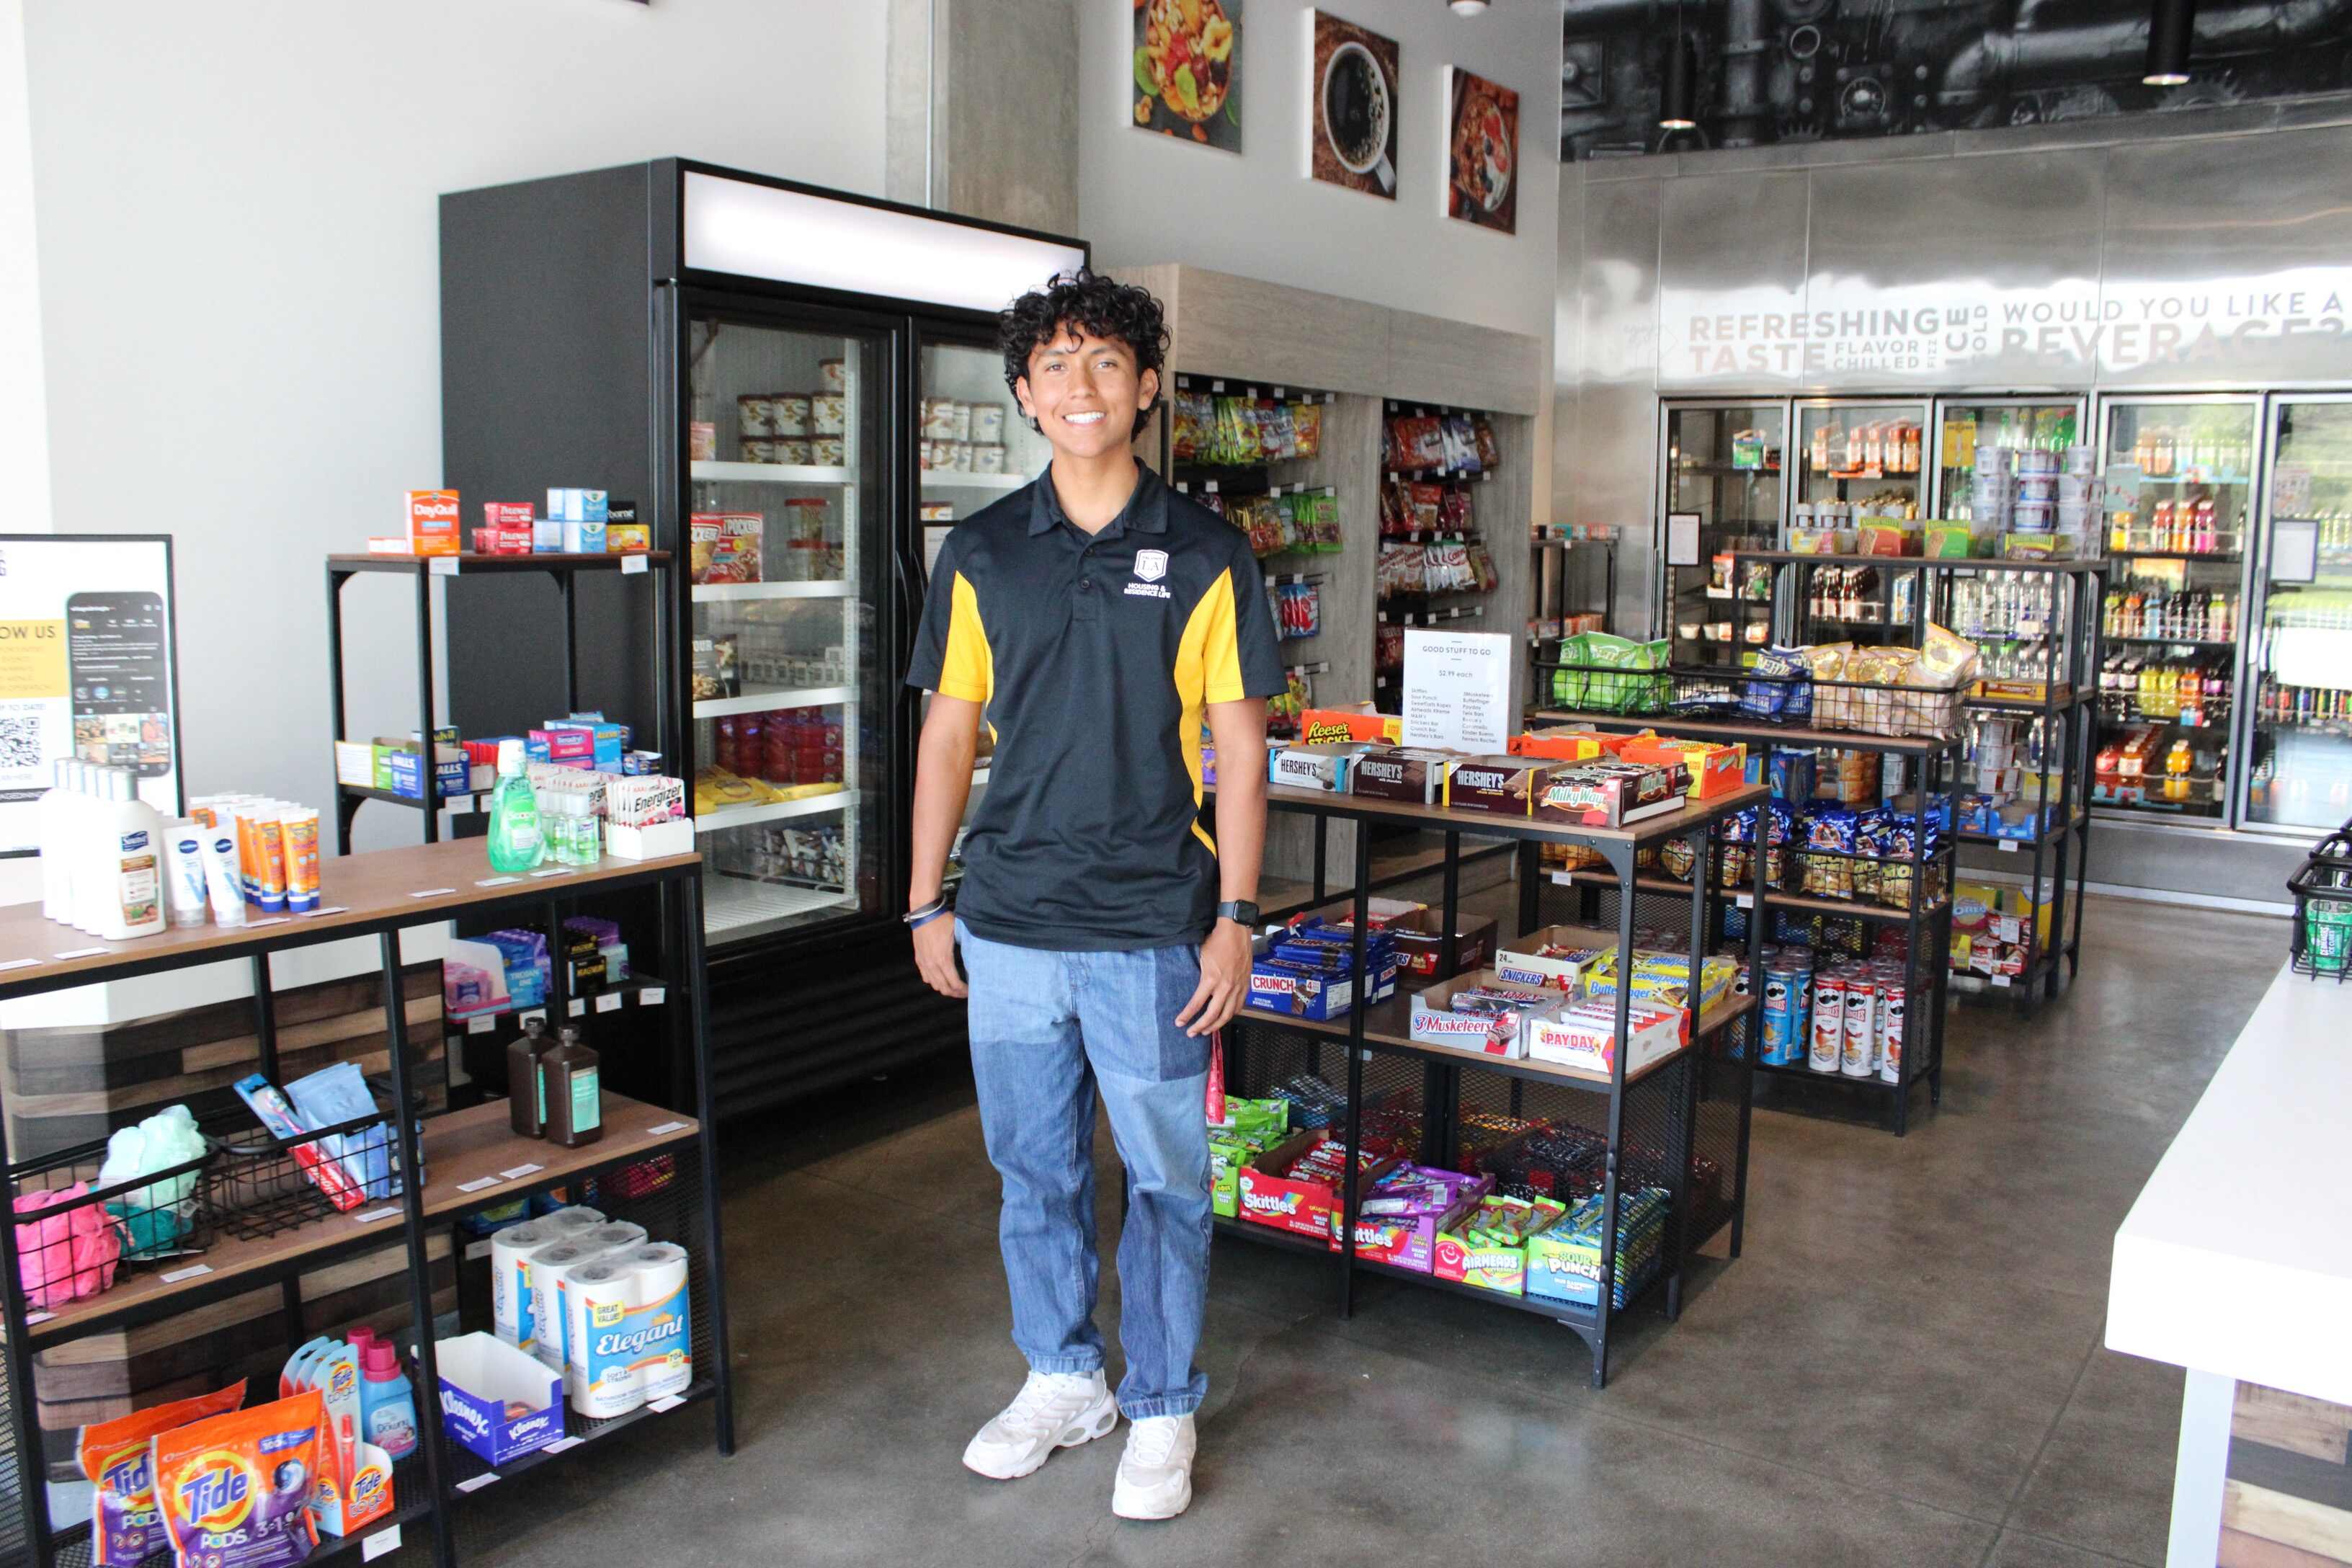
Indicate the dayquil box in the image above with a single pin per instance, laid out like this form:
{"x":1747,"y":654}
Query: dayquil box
{"x":1502,"y":1268}
{"x":1302,"y":1208}
{"x":433,"y":522}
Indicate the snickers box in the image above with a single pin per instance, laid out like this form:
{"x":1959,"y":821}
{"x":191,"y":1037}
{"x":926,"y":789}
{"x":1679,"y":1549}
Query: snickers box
{"x":1525,"y":962}
{"x":1414,"y":774}
{"x":1505,"y":786}
{"x":1324,"y":768}
{"x":1612,"y":794}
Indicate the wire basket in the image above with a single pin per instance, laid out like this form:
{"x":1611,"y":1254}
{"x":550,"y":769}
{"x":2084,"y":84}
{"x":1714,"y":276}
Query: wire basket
{"x":264,"y":1185}
{"x":2320,"y":941}
{"x":75,"y":1233}
{"x":1795,"y":701}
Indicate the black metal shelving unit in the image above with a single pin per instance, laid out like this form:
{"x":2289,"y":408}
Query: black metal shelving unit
{"x":669,"y":1155}
{"x":1680,"y":1123}
{"x":563,"y":569}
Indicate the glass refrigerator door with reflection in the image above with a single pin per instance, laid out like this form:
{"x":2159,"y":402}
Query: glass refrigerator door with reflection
{"x":787,"y":557}
{"x":2177,"y":519}
{"x":1856,"y":459}
{"x":973,"y":448}
{"x":1725,"y":464}
{"x":1964,"y":428}
{"x":2299,"y":733}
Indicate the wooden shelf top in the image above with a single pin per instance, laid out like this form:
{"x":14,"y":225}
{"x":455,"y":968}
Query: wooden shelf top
{"x":468,"y":563}
{"x":358,"y":894}
{"x":461,"y":1148}
{"x":1723,"y":730}
{"x":1649,"y":830}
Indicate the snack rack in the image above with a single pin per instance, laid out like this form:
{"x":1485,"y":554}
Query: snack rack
{"x":655,"y":1164}
{"x":1680,"y":1122}
{"x":2054,"y":689}
{"x":563,"y":569}
{"x":1841,"y":926}
{"x":1404,"y":609}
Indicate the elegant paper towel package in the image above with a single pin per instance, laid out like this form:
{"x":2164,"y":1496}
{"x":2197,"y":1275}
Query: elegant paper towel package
{"x":627,"y":1335}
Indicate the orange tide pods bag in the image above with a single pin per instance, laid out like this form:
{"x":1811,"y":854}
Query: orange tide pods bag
{"x":235,"y":1491}
{"x":115,"y":1455}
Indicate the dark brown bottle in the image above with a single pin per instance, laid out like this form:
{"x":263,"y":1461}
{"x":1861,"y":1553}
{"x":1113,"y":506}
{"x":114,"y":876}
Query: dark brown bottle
{"x":570,"y":1092}
{"x":526,"y":1098}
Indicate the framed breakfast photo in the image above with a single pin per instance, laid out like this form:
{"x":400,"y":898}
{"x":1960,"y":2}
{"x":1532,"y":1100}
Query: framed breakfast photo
{"x":1188,"y":58}
{"x":1482,"y":152}
{"x":1351,"y":133}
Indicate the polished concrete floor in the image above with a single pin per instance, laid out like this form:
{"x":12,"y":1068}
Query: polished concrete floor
{"x":1904,"y":1367}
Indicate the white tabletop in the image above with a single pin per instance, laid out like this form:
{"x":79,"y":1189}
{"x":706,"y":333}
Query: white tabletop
{"x":2237,"y":1258}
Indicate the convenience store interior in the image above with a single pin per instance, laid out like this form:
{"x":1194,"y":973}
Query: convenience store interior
{"x":1904,"y":1315}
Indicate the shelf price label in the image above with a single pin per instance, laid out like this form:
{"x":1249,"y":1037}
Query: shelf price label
{"x":631,"y":565}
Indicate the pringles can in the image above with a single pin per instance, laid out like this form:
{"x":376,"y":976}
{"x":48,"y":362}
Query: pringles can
{"x":1828,"y":1034}
{"x":1861,"y":1019}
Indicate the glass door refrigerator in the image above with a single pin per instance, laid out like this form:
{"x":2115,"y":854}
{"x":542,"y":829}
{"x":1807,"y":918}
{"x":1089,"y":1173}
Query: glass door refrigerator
{"x":784,"y":378}
{"x":1723,"y":476}
{"x":1858,"y":459}
{"x":974,"y":448}
{"x":2298,"y":728}
{"x":2180,"y":476}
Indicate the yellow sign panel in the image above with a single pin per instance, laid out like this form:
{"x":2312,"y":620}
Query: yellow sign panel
{"x":32,"y":659}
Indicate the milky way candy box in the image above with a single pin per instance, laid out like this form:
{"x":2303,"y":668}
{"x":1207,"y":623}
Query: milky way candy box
{"x":1410,"y":774}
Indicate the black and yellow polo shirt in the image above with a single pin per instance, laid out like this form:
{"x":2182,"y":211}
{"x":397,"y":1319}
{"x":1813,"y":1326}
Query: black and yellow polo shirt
{"x":1096,"y":656}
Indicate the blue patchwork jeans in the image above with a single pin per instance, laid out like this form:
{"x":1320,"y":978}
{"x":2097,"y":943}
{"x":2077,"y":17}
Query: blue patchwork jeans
{"x":1049,"y":1029}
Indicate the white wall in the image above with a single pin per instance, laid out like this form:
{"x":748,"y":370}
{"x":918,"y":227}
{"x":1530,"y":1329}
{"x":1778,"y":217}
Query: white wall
{"x":237,"y":223}
{"x":1144,"y":197}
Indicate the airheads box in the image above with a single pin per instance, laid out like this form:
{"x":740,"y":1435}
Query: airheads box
{"x":481,"y":1377}
{"x":1492,"y":1265}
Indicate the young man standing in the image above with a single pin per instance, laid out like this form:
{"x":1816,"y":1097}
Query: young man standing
{"x":1095,"y":620}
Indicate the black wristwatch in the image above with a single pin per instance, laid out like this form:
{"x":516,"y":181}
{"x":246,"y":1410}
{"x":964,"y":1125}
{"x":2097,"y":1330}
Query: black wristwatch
{"x":1241,"y":910}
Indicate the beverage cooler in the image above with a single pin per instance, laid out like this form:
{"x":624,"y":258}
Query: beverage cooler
{"x":2298,"y":728}
{"x":1724,"y":466}
{"x":800,"y":389}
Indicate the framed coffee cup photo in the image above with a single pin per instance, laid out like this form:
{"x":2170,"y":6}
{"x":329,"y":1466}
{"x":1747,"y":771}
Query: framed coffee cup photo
{"x":1351,"y":133}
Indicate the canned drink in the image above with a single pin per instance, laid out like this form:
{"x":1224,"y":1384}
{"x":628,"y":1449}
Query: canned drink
{"x":1861,"y":1019}
{"x":1828,"y":1033}
{"x":1895,"y":1009}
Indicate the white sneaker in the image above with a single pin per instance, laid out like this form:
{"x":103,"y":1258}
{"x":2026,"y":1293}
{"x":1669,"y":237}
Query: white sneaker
{"x":1155,"y":1473}
{"x":1053,"y":1410}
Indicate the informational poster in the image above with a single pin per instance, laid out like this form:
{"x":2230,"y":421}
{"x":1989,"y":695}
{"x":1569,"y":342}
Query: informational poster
{"x":1457,"y":690}
{"x":87,"y":668}
{"x":2290,"y":489}
{"x":2120,"y":484}
{"x":1682,"y":539}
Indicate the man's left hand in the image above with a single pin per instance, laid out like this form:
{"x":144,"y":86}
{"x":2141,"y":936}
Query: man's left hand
{"x":1224,"y":978}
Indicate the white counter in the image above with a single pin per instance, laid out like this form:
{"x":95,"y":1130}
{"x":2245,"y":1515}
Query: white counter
{"x":2236,"y":1261}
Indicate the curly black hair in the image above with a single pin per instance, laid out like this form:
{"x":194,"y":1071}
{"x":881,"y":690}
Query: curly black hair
{"x":1097,"y":306}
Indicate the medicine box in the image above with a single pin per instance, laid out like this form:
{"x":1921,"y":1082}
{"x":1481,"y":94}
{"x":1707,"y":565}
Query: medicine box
{"x":482,"y":1377}
{"x":1300,"y":1207}
{"x":400,"y":769}
{"x":583,"y":536}
{"x":577,"y":505}
{"x":433,"y":522}
{"x":355,"y":763}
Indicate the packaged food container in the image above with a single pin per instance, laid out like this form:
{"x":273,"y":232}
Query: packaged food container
{"x":959,"y":420}
{"x":832,"y":375}
{"x":939,"y":418}
{"x":987,"y":422}
{"x":702,"y":440}
{"x":829,"y":414}
{"x":959,"y":456}
{"x":792,"y":414}
{"x":2037,"y":486}
{"x":826,"y":451}
{"x":2076,"y":516}
{"x":2037,"y":460}
{"x":936,"y":511}
{"x":2033,"y":517}
{"x":1995,"y":461}
{"x":755,"y":416}
{"x":797,"y":450}
{"x":2072,"y":487}
{"x":759,"y":451}
{"x":987,"y":457}
{"x":2081,"y":459}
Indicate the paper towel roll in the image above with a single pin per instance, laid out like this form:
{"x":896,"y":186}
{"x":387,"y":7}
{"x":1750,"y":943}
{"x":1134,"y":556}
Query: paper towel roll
{"x":659,"y":1269}
{"x":603,"y":1378}
{"x":612,"y":1236}
{"x":548,"y":1268}
{"x":577,"y":1216}
{"x":509,"y":1296}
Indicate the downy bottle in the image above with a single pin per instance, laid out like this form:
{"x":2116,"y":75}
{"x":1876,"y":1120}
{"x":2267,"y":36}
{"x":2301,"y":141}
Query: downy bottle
{"x":516,"y":842}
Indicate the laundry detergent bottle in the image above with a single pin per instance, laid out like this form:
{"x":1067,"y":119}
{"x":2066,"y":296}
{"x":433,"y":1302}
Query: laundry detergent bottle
{"x":387,"y":1407}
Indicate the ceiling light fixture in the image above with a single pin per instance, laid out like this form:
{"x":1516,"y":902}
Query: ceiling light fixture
{"x":1466,"y":7}
{"x":1678,"y":96}
{"x":2171,"y":28}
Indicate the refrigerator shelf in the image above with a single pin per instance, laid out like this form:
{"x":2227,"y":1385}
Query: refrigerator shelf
{"x":772,"y":473}
{"x":774,"y":697}
{"x":733,"y":902}
{"x":730,"y":592}
{"x":958,"y":479}
{"x":731,"y":816}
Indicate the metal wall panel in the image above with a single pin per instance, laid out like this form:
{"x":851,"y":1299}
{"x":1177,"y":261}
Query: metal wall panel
{"x":1965,"y":273}
{"x":2227,"y":260}
{"x":1608,"y":478}
{"x":1734,"y":255}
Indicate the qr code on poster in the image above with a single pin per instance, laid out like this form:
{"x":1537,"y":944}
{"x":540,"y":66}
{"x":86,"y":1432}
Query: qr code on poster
{"x":20,"y":741}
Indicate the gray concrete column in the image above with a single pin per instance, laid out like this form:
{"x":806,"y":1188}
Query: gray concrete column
{"x":983,"y":112}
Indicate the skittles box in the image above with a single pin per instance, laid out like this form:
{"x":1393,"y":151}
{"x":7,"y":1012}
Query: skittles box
{"x":1270,"y":1193}
{"x":1398,"y":1216}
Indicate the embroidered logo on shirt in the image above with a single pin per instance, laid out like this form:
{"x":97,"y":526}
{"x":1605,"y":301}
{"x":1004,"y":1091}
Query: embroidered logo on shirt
{"x":1150,"y":566}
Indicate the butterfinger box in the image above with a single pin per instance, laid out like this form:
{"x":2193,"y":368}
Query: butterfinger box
{"x":1263,"y":1194}
{"x":1415,"y":775}
{"x":1505,"y":786}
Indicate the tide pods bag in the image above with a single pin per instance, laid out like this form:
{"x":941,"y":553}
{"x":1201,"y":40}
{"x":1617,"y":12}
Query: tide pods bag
{"x":235,"y":1491}
{"x":123,"y":1525}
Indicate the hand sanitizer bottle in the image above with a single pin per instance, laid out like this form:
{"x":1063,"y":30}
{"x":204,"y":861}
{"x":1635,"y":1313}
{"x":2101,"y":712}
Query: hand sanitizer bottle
{"x":516,"y":841}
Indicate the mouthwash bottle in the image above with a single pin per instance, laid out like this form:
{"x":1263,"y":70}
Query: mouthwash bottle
{"x":516,"y":842}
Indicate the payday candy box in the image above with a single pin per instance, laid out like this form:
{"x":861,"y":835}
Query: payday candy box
{"x":1300,"y":1207}
{"x":1505,"y":786}
{"x":1583,"y":1036}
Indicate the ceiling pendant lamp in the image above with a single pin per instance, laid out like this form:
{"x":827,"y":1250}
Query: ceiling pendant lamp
{"x":1466,"y":7}
{"x":1678,"y":96}
{"x":2172,"y":28}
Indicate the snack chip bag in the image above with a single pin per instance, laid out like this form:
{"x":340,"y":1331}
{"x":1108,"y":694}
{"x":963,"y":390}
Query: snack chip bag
{"x":124,"y":1526}
{"x":1307,"y":424}
{"x":235,"y":1491}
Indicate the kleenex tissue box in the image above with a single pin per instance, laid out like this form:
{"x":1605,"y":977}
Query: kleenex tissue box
{"x":481,"y":1374}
